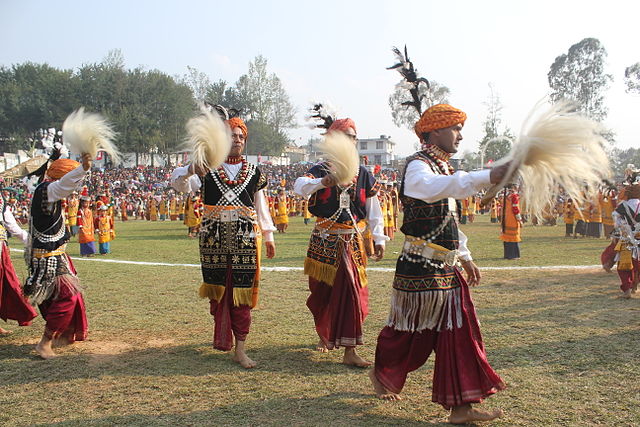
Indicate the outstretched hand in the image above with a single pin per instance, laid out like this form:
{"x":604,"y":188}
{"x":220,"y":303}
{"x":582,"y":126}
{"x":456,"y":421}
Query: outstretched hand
{"x":498,"y":173}
{"x":328,"y":181}
{"x":473,"y":273}
{"x":87,"y":160}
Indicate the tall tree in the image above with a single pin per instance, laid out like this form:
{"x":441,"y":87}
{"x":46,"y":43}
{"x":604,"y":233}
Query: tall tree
{"x":262,"y":97}
{"x":579,"y":75}
{"x":632,"y":78}
{"x":407,"y":116}
{"x":198,"y":82}
{"x":495,"y":143}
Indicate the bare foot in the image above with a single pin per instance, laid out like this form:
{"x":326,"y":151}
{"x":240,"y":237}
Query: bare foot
{"x":322,"y":347}
{"x":627,"y":294}
{"x":45,"y":351}
{"x":380,"y":390}
{"x":4,"y":332}
{"x":467,"y":414}
{"x":352,"y":358}
{"x":243,"y":360}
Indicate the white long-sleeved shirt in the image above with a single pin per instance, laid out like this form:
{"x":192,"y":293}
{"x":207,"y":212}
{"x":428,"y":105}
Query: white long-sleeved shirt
{"x":58,"y":190}
{"x":182,"y":180}
{"x":306,"y":186}
{"x":625,"y":229}
{"x":420,"y":182}
{"x":12,"y":226}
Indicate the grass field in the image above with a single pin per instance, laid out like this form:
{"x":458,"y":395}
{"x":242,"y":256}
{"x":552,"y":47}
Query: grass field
{"x":562,"y":340}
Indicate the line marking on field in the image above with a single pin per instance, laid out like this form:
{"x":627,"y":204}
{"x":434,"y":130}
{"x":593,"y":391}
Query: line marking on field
{"x":376,"y":269}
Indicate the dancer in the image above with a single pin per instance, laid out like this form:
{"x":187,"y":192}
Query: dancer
{"x":336,"y":258}
{"x":235,"y":217}
{"x":13,"y":304}
{"x":626,"y":236}
{"x":431,"y":306}
{"x":52,"y":283}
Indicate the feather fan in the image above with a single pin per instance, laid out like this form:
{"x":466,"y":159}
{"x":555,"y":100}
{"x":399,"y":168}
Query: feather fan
{"x":209,"y":140}
{"x":89,"y":133}
{"x":557,"y":148}
{"x":341,"y":154}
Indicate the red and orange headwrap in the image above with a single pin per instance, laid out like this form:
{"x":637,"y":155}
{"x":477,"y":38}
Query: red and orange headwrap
{"x":237,"y":122}
{"x":61,"y":167}
{"x":439,"y":116}
{"x":342,"y":125}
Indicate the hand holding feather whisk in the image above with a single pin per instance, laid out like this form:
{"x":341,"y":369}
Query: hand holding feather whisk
{"x":88,"y":133}
{"x":557,"y":148}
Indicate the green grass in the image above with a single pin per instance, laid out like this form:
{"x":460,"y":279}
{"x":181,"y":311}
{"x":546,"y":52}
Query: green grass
{"x":562,"y":340}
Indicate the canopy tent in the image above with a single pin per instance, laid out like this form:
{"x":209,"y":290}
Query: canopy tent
{"x":24,"y":168}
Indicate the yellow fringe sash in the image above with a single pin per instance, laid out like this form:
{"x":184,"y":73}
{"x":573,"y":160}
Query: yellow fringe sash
{"x":326,"y":272}
{"x":625,"y":262}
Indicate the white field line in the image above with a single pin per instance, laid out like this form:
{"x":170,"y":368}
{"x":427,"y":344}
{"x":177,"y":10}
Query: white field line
{"x":376,"y":269}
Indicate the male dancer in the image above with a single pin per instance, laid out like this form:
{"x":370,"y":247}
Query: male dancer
{"x":52,"y":282}
{"x":431,"y":307}
{"x":235,"y":214}
{"x":336,"y":259}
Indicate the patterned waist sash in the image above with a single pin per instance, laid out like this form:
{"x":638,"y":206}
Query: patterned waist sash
{"x":328,"y":242}
{"x":230,"y":238}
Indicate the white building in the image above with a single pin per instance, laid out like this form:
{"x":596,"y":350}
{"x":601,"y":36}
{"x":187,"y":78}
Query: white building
{"x":379,"y":151}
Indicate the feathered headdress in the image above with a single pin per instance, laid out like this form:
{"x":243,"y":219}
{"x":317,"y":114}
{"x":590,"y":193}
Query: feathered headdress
{"x":410,"y":81}
{"x":324,"y":114}
{"x":208,"y":137}
{"x":557,"y":148}
{"x":89,"y":133}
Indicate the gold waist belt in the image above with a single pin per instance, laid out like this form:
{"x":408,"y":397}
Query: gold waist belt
{"x":43,"y":253}
{"x":428,"y":250}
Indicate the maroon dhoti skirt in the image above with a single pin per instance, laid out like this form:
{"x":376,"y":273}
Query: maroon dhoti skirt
{"x":229,"y":319}
{"x":13,"y":304}
{"x":65,"y":313}
{"x":629,"y":277}
{"x":461,"y":373}
{"x":339,"y":310}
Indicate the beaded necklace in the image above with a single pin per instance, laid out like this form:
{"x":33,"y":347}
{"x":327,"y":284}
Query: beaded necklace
{"x":240,"y":177}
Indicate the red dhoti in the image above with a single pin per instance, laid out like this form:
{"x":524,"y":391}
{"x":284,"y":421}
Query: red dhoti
{"x":65,"y":313}
{"x":339,"y":310}
{"x":229,"y":319}
{"x":13,"y":304}
{"x":461,"y":373}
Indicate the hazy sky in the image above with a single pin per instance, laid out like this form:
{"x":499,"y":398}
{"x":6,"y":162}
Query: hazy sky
{"x":338,"y":50}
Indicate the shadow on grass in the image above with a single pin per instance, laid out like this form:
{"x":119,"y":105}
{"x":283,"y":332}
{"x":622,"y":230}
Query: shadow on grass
{"x":319,"y":411}
{"x":188,"y":360}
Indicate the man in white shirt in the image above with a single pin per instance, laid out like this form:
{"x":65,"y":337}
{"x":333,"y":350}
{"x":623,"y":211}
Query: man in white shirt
{"x":235,"y":220}
{"x":336,"y":259}
{"x":431,"y":307}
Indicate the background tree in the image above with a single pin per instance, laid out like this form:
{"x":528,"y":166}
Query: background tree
{"x":407,"y":116}
{"x":632,"y":78}
{"x":495,"y":143}
{"x":264,"y":139}
{"x":579,"y":75}
{"x":198,"y":82}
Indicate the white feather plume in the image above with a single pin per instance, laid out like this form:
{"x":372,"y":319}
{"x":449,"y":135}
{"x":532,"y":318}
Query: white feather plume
{"x":208,"y":140}
{"x":341,"y":154}
{"x":557,"y":148}
{"x":89,"y":133}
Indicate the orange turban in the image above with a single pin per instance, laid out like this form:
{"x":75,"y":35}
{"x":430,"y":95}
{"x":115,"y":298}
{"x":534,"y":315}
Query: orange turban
{"x":237,"y":122}
{"x":342,"y":125}
{"x":61,"y":167}
{"x":439,"y":117}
